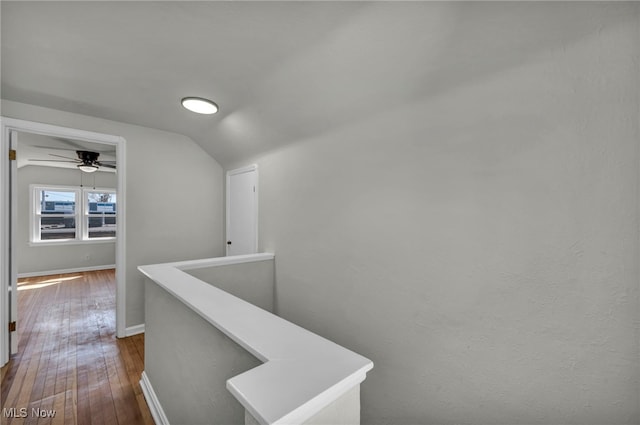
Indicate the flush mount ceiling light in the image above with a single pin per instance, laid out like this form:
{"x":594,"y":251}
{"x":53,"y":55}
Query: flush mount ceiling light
{"x":200,"y":105}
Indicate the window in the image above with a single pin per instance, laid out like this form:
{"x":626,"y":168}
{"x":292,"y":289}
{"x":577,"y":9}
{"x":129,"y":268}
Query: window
{"x":56,"y":214}
{"x":71,"y":214}
{"x":100,"y":214}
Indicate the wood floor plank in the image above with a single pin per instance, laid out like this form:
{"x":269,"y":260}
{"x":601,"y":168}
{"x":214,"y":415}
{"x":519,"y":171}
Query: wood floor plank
{"x":69,"y":360}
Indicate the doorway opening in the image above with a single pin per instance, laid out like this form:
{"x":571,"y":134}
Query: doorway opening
{"x":53,"y":205}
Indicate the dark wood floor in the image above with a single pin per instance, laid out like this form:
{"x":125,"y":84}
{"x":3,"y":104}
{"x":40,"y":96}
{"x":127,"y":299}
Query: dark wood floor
{"x":69,"y":359}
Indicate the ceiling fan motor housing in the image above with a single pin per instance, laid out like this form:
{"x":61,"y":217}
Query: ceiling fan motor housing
{"x":88,"y":157}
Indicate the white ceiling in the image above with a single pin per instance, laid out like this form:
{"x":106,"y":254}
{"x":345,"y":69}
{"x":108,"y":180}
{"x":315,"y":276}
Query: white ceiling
{"x":280,"y":71}
{"x":134,"y":61}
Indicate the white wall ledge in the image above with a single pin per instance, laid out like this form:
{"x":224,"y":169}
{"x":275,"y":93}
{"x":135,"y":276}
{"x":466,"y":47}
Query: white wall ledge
{"x":302,"y":372}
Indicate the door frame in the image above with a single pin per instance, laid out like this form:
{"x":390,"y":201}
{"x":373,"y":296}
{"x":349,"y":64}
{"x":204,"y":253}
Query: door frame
{"x":241,"y":170}
{"x":7,"y":125}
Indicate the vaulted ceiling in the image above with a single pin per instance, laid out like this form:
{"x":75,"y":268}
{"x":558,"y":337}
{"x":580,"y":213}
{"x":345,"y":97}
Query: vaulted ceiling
{"x":280,"y":71}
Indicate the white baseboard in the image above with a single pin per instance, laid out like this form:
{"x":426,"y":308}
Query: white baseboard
{"x":152,"y":401}
{"x":64,"y":271}
{"x":134,"y":330}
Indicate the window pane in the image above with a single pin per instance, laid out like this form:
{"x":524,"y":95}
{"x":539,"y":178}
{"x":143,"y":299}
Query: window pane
{"x":52,"y":228}
{"x":101,"y":203}
{"x":102,"y":227}
{"x":57,"y":202}
{"x":102,"y":208}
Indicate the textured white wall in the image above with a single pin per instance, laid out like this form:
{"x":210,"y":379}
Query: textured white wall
{"x":174,"y":195}
{"x":476,"y":233}
{"x":252,"y":282}
{"x":57,"y":257}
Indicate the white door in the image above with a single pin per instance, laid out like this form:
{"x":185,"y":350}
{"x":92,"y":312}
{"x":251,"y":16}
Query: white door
{"x":242,"y":211}
{"x":13,"y":222}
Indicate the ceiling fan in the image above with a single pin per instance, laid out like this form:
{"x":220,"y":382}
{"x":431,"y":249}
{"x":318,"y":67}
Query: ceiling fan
{"x":87,"y":161}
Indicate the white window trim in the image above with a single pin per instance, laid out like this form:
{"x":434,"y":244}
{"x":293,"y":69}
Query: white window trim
{"x":85,"y":214}
{"x":81,"y":215}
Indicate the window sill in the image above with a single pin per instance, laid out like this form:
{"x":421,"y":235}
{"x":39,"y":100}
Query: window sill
{"x":72,"y":242}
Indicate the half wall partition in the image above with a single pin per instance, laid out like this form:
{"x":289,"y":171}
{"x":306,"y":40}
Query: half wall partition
{"x":215,"y":352}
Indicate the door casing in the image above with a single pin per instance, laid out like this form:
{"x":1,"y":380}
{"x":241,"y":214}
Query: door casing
{"x":7,"y":125}
{"x":252,"y":244}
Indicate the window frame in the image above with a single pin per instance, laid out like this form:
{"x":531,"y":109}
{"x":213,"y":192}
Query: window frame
{"x":81,"y":215}
{"x":86,"y":214}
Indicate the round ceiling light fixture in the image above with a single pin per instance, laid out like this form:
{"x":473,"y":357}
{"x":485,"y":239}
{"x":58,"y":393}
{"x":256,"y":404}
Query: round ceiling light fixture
{"x":200,"y":105}
{"x":88,"y":168}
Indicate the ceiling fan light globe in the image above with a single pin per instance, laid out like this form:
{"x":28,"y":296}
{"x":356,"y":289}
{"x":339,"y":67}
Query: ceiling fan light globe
{"x":88,"y":168}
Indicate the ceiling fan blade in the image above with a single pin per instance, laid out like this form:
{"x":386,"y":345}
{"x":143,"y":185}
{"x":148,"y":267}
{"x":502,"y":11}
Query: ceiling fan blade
{"x":73,"y":144}
{"x":106,"y":165}
{"x":77,"y":145}
{"x":60,"y":156}
{"x":51,"y":160}
{"x":74,"y":149}
{"x":53,"y":148}
{"x":108,"y":162}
